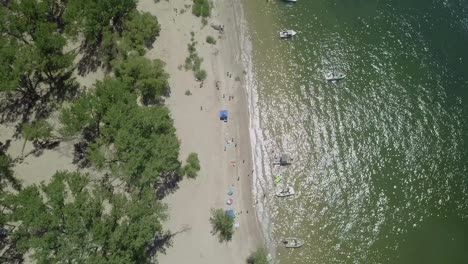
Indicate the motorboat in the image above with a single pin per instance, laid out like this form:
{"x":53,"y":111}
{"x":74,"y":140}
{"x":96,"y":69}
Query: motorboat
{"x":332,"y":77}
{"x":292,"y":243}
{"x":287,"y":33}
{"x":284,"y":192}
{"x":291,"y":1}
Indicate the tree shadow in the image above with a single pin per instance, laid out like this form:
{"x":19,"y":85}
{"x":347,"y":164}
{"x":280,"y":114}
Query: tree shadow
{"x":21,"y":106}
{"x":91,"y":60}
{"x":168,"y":184}
{"x":164,"y":241}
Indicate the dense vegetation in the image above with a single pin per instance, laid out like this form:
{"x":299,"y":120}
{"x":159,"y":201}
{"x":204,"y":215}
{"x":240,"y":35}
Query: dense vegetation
{"x":223,"y":224}
{"x":258,"y":257}
{"x":120,"y":125}
{"x":65,"y":220}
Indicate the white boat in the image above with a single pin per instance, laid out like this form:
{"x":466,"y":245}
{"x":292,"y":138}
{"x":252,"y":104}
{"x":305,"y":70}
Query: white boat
{"x":292,"y":242}
{"x":287,"y":33}
{"x":291,"y":1}
{"x":284,"y":192}
{"x":332,"y":77}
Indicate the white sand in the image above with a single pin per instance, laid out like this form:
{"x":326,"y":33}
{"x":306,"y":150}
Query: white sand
{"x":202,"y":132}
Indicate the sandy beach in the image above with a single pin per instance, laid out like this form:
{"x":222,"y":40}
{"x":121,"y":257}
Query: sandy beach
{"x":224,"y":148}
{"x":225,"y":164}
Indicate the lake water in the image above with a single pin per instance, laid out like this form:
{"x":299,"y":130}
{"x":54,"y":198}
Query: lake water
{"x":380,"y":159}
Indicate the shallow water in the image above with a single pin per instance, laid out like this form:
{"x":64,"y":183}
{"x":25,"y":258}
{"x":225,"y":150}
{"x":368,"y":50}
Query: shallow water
{"x":381,"y":158}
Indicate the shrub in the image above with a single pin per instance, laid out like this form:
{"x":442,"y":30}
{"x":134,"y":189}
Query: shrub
{"x":222,"y":224}
{"x":258,"y":257}
{"x":193,"y":164}
{"x":211,"y":40}
{"x":200,"y":75}
{"x":188,"y":93}
{"x":201,"y":8}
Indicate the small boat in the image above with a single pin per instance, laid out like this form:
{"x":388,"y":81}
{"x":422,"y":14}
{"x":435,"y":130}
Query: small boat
{"x":332,"y":77}
{"x":287,"y":33}
{"x":284,"y":192}
{"x":291,"y":1}
{"x":292,"y":243}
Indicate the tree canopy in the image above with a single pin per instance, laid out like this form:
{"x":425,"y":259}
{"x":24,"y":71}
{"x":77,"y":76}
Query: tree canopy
{"x":69,"y":219}
{"x":138,"y":144}
{"x":147,"y":77}
{"x":34,"y":67}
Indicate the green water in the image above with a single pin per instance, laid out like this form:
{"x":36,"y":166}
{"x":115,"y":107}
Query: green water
{"x":381,"y":158}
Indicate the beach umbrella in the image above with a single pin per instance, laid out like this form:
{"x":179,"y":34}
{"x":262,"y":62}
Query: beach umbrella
{"x":231,"y":213}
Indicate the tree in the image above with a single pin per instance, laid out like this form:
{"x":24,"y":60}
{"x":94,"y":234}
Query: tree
{"x":147,"y":77}
{"x":6,"y":173}
{"x":140,"y":31}
{"x":70,"y":219}
{"x":138,"y":144}
{"x":34,"y":67}
{"x":38,"y":131}
{"x":105,"y":109}
{"x":222,"y":223}
{"x":258,"y":257}
{"x":193,"y":165}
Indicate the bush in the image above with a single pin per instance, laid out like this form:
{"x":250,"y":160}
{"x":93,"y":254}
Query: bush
{"x":200,"y":75}
{"x":222,"y":223}
{"x":258,"y":257}
{"x":188,"y":92}
{"x":201,"y":8}
{"x":193,"y":164}
{"x":211,"y":40}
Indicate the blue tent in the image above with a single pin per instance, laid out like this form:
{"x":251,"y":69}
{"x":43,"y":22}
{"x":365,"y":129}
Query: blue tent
{"x":223,"y":115}
{"x":231,"y":213}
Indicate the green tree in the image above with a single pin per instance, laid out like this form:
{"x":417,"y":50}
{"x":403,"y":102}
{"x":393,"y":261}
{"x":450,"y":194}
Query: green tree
{"x":69,"y":219}
{"x":147,"y":77}
{"x":34,"y":67}
{"x":222,"y":224}
{"x":138,"y":144}
{"x":95,"y":18}
{"x":7,"y":174}
{"x":38,"y":131}
{"x":258,"y":257}
{"x":140,"y":31}
{"x":193,"y":165}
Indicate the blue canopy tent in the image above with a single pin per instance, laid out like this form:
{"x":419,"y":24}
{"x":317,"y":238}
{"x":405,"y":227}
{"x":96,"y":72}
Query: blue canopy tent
{"x":231,"y":213}
{"x":223,"y":115}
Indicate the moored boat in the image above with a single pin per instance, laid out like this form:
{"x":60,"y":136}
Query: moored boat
{"x":292,"y":242}
{"x":287,"y":33}
{"x":284,"y":192}
{"x":332,"y":77}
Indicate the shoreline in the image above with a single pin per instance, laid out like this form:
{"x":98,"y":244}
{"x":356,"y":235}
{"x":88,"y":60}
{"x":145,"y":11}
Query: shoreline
{"x":223,"y":166}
